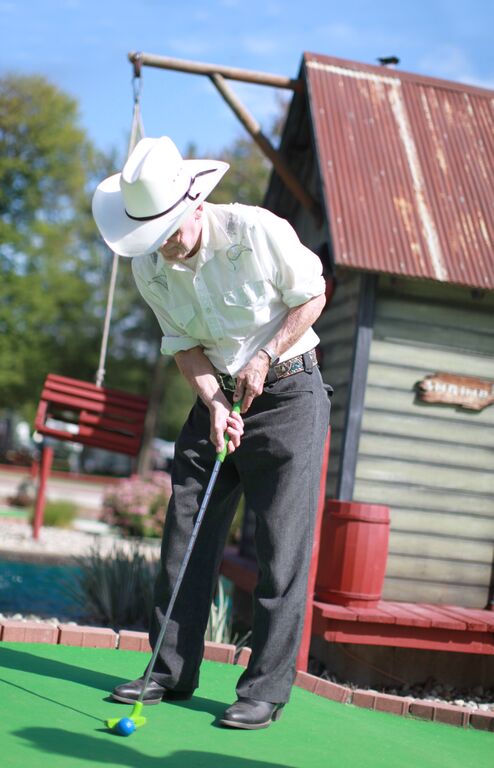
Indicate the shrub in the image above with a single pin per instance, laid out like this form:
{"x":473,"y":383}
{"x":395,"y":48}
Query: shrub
{"x":138,"y":505}
{"x":58,"y":514}
{"x":115,"y":588}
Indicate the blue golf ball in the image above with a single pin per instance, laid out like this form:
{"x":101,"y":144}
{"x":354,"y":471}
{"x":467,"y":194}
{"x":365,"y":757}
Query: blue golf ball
{"x":125,"y":726}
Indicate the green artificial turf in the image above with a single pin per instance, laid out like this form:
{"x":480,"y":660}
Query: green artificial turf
{"x":18,"y":512}
{"x":54,"y":703}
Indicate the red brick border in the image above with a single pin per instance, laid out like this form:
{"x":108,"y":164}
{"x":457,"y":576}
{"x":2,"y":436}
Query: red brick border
{"x":87,"y":637}
{"x":439,"y":712}
{"x":395,"y":705}
{"x":333,"y":691}
{"x":13,"y":631}
{"x":222,"y":652}
{"x":94,"y":637}
{"x":483,"y":721}
{"x":365,"y":699}
{"x":306,"y":681}
{"x":243,"y":656}
{"x":134,"y":641}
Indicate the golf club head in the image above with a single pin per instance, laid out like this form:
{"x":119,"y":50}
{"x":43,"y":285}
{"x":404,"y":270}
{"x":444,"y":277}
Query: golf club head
{"x":135,"y":716}
{"x":113,"y":722}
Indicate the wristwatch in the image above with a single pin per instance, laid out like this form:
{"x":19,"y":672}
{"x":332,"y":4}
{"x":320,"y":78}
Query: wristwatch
{"x":273,"y":357}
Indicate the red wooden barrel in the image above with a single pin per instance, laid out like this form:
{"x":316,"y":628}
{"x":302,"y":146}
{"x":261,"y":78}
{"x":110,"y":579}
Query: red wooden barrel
{"x":353,"y":553}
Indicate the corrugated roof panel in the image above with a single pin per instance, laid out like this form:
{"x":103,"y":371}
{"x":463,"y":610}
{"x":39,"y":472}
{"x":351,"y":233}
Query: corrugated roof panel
{"x":407,"y":169}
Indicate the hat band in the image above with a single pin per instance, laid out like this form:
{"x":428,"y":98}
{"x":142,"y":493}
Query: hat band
{"x":168,"y":210}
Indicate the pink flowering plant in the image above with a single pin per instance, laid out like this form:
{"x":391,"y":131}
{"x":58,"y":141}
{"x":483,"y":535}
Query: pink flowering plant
{"x":137,"y":505}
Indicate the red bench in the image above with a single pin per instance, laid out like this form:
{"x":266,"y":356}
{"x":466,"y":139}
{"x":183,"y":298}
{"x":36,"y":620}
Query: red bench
{"x":407,"y":625}
{"x":81,"y":412}
{"x":95,"y":416}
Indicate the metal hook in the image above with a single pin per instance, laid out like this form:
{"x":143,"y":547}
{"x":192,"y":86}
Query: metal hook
{"x":137,"y":62}
{"x":137,"y":80}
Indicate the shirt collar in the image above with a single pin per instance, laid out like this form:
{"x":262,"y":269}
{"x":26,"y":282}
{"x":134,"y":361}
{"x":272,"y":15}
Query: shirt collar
{"x":213,"y":238}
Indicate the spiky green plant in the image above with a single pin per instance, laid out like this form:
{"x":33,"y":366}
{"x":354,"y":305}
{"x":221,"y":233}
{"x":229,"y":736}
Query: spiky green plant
{"x":218,"y":629}
{"x":115,"y":588}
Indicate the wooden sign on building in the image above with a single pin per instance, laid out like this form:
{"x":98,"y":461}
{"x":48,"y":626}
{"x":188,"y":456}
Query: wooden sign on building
{"x":465,"y":391}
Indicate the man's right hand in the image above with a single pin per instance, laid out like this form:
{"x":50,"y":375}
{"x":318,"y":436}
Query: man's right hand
{"x":199,"y":372}
{"x":250,"y":380}
{"x":224,"y":420}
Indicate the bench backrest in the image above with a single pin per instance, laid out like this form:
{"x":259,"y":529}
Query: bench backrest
{"x":92,"y":415}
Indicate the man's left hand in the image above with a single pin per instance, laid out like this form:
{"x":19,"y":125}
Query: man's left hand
{"x":250,"y":380}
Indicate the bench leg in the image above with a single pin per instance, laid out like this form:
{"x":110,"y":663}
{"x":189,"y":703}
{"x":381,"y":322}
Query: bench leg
{"x":44,"y":471}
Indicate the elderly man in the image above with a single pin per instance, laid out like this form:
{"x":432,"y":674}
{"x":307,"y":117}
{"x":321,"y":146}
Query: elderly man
{"x":235,"y":294}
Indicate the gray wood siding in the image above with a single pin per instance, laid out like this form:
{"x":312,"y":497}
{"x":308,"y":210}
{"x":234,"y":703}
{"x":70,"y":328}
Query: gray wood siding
{"x":432,"y":464}
{"x":336,"y":329}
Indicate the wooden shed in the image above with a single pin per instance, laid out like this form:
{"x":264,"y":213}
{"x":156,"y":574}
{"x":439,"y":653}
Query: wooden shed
{"x":402,"y":168}
{"x":389,"y":177}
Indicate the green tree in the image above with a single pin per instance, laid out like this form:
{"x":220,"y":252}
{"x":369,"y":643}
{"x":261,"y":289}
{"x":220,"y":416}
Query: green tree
{"x":54,"y":268}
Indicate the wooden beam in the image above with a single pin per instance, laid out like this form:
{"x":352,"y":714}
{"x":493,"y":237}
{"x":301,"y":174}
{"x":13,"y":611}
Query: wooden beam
{"x":201,"y":68}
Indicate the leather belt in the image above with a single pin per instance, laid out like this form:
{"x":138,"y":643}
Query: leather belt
{"x":297,"y":364}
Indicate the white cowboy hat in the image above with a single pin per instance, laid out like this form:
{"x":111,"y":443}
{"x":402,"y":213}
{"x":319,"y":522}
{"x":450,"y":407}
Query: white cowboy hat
{"x":140,"y":208}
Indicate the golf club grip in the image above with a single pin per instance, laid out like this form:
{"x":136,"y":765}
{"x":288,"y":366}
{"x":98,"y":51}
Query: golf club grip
{"x":221,"y":456}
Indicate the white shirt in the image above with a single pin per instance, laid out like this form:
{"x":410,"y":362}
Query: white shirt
{"x":250,"y":270}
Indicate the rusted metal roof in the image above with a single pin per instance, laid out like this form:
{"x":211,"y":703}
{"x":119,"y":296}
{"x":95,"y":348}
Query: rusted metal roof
{"x":407,"y":168}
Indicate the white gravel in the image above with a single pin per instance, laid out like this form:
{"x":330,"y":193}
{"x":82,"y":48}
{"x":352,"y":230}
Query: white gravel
{"x":59,"y":544}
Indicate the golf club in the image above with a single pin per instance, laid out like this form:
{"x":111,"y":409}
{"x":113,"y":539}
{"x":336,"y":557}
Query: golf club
{"x":126,"y":725}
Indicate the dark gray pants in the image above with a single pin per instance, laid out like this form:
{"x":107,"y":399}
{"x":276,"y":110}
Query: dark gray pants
{"x":277,"y":466}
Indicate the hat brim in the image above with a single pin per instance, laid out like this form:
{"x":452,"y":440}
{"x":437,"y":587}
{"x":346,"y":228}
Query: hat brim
{"x":128,"y":237}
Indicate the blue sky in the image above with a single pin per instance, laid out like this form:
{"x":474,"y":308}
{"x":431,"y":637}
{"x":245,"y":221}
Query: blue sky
{"x":82,"y":46}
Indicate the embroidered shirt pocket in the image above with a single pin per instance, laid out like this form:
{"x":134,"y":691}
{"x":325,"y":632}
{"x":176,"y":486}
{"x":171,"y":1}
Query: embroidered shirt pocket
{"x":251,"y":294}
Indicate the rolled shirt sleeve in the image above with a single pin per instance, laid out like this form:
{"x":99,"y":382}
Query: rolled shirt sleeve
{"x":174,"y":339}
{"x":298,"y":271}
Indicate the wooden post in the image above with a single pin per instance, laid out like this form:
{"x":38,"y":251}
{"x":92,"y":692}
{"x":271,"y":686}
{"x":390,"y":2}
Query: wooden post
{"x":303,"y":652}
{"x":44,"y":471}
{"x":358,"y":381}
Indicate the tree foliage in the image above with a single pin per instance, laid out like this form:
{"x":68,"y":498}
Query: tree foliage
{"x":54,"y":268}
